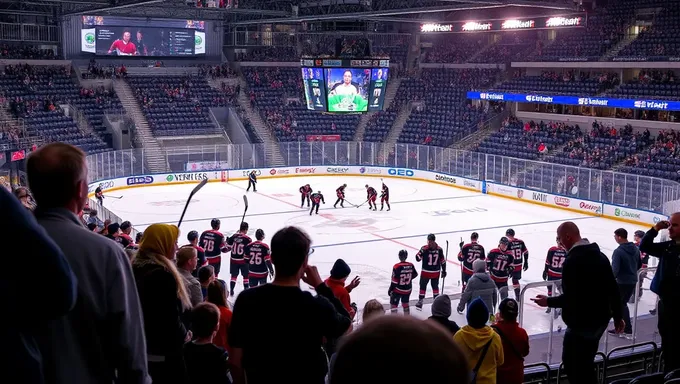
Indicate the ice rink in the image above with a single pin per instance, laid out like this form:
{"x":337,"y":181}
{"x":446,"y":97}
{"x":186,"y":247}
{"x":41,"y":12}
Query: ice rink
{"x":369,"y":241}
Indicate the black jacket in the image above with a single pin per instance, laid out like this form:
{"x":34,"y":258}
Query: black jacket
{"x":590,"y":294}
{"x":450,"y":325}
{"x":666,"y":279}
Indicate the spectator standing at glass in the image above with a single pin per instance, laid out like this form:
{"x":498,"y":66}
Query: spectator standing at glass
{"x":515,"y":343}
{"x":186,"y":263}
{"x":217,"y":295}
{"x":164,"y":300}
{"x":666,"y":284}
{"x":626,"y":263}
{"x":481,"y":286}
{"x":277,"y":329}
{"x":441,"y":311}
{"x":112,"y":344}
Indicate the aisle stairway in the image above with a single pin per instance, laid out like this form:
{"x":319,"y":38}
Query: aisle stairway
{"x":398,"y":125}
{"x":156,"y":162}
{"x":390,"y":94}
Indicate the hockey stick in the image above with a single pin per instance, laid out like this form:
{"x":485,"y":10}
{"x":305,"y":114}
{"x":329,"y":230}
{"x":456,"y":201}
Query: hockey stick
{"x":245,"y":201}
{"x":446,"y":259}
{"x":362,"y":203}
{"x":114,"y":197}
{"x":462,"y":274}
{"x":191,"y":195}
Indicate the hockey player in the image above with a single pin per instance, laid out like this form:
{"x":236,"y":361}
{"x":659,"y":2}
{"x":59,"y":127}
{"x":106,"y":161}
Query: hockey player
{"x":499,"y":262}
{"x":305,"y":192}
{"x":316,"y":199}
{"x":433,"y":260}
{"x":99,"y":194}
{"x":212,"y":241}
{"x":371,"y":196}
{"x":553,"y":267}
{"x":252,"y":181}
{"x":637,"y":238}
{"x":519,"y":251}
{"x":259,"y":260}
{"x":340,"y":192}
{"x":385,"y":197}
{"x":200,"y":252}
{"x":468,"y":254}
{"x":237,"y":242}
{"x":403,"y":274}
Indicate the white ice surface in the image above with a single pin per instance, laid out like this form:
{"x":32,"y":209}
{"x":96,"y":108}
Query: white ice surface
{"x":369,"y":241}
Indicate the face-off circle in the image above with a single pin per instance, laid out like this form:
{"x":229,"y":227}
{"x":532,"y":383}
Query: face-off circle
{"x":346,"y":222}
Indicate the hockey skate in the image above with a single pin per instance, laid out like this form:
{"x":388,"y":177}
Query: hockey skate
{"x":381,"y":207}
{"x":419,"y":305}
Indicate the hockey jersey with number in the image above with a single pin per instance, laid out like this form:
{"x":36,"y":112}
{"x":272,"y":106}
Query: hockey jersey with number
{"x":212,"y":242}
{"x":259,"y":259}
{"x":554,"y":260}
{"x":519,"y":252}
{"x":468,"y":254}
{"x":238,"y":242}
{"x":500,"y":265}
{"x":403,"y":274}
{"x":433,"y":261}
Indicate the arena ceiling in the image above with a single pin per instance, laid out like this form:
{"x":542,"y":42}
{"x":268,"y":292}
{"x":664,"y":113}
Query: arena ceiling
{"x":253,"y":12}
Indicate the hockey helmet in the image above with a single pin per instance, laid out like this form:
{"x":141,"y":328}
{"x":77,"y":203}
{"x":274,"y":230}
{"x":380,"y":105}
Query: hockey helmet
{"x":510,"y":232}
{"x":366,"y":185}
{"x":431,"y":237}
{"x":344,"y":185}
{"x":403,"y":254}
{"x":215,"y":223}
{"x":259,"y":234}
{"x":474,"y":236}
{"x":193,"y":235}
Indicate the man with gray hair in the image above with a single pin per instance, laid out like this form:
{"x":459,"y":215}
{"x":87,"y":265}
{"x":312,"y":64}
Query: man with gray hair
{"x":480,"y":285}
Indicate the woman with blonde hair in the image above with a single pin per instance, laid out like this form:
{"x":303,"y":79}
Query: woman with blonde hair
{"x":164,"y":299}
{"x":372,"y":309}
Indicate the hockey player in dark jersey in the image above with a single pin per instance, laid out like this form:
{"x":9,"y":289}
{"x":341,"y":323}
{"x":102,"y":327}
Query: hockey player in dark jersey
{"x":519,"y":251}
{"x":553,"y":267}
{"x":468,"y":254}
{"x":637,"y":238}
{"x":237,"y":242}
{"x":99,"y":194}
{"x":403,"y":274}
{"x":385,"y":197}
{"x":434,"y":264}
{"x":305,"y":193}
{"x":212,"y":241}
{"x":499,"y":262}
{"x":259,"y":260}
{"x":371,"y":196}
{"x":316,"y":199}
{"x":200,"y":252}
{"x":340,"y":193}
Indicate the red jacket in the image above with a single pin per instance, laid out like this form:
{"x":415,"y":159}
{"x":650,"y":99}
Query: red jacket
{"x":512,"y":370}
{"x":221,"y":339}
{"x":341,"y":293}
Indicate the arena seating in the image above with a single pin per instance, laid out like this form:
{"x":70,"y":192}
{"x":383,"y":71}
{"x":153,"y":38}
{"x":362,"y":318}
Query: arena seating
{"x":650,"y":83}
{"x":30,"y":52}
{"x":662,"y":39}
{"x":512,"y":46}
{"x":567,"y":83}
{"x":454,"y":49}
{"x":178,"y":105}
{"x":661,"y":159}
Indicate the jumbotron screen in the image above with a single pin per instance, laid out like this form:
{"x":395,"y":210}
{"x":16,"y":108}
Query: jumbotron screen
{"x":122,"y":36}
{"x":345,"y":86}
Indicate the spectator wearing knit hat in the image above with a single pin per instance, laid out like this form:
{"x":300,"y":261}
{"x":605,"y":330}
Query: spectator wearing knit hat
{"x":336,"y":282}
{"x":515,"y":343}
{"x":441,"y":311}
{"x":481,"y":286}
{"x":480,"y":344}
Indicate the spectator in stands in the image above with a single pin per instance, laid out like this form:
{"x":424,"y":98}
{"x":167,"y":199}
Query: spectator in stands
{"x":626,"y":263}
{"x":295,"y":320}
{"x":372,"y":309}
{"x":441,"y":311}
{"x":19,"y":353}
{"x":206,"y":275}
{"x":515,"y":343}
{"x":217,"y":295}
{"x":164,"y":300}
{"x":186,"y":263}
{"x":336,"y":282}
{"x":112,"y":344}
{"x":378,"y":350}
{"x":200,"y":252}
{"x":480,"y":344}
{"x":481,"y":286}
{"x":205,"y":361}
{"x":665,"y":284}
{"x":125,"y":231}
{"x":599,"y":298}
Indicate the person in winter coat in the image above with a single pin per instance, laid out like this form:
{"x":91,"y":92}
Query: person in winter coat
{"x":515,"y":343}
{"x":441,"y":311}
{"x":336,"y":282}
{"x":626,"y":263}
{"x":481,"y":286}
{"x":480,"y":344}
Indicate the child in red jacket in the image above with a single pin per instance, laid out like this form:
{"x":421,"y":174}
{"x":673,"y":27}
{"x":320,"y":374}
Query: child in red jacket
{"x":515,"y":343}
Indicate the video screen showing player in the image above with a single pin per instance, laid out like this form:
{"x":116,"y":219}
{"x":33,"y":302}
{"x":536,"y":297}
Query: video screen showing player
{"x":348,"y":89}
{"x":131,"y":41}
{"x":123,"y":46}
{"x":312,"y":79}
{"x":378,"y":88}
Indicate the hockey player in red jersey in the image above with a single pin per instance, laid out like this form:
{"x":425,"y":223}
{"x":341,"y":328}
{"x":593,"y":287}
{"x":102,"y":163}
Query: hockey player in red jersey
{"x":258,"y":256}
{"x":468,"y":254}
{"x":371,"y":196}
{"x":305,"y":192}
{"x":553,"y":267}
{"x":434,"y":264}
{"x":340,"y":193}
{"x":403,"y":274}
{"x":385,"y":197}
{"x":213,"y":242}
{"x":499,"y":262}
{"x":519,"y":251}
{"x":317,"y":198}
{"x":238,"y":242}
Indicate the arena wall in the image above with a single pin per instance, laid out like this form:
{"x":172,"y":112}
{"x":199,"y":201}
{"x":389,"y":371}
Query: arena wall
{"x":594,"y":208}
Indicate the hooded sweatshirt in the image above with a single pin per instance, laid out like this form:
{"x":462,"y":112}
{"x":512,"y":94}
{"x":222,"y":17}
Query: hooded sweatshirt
{"x":480,"y":285}
{"x":472,"y":341}
{"x":625,"y":263}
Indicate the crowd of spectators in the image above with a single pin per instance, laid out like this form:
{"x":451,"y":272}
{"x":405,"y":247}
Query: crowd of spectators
{"x":268,"y":54}
{"x":26,"y":52}
{"x":455,"y":50}
{"x":96,"y":70}
{"x":217,"y":71}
